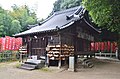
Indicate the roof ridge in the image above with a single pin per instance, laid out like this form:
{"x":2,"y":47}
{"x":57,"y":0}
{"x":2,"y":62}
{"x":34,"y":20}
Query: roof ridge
{"x":60,"y":12}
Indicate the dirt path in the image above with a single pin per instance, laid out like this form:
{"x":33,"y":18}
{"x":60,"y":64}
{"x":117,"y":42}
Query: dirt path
{"x":102,"y":70}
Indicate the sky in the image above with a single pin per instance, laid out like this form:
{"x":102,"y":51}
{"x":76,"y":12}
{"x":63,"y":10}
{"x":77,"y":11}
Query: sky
{"x":42,"y":7}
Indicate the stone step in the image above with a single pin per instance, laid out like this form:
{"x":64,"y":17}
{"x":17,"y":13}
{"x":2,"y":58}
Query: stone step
{"x":85,"y":62}
{"x":28,"y":66}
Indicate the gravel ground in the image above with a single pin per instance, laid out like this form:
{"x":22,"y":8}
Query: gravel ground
{"x":103,"y":69}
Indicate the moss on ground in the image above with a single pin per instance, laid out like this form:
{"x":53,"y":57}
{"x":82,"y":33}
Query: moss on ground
{"x":45,"y":69}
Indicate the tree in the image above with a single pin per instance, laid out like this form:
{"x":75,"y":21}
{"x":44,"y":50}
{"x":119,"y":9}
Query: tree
{"x":5,"y":22}
{"x":57,"y":5}
{"x":24,"y":16}
{"x":2,"y":30}
{"x":15,"y":27}
{"x":30,"y":20}
{"x":65,"y":4}
{"x":15,"y":21}
{"x":105,"y":14}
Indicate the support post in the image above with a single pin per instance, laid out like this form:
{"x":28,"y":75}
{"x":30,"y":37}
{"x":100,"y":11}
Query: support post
{"x":21,"y":58}
{"x":60,"y":60}
{"x":116,"y":53}
{"x":59,"y":63}
{"x":111,"y":50}
{"x":47,"y":61}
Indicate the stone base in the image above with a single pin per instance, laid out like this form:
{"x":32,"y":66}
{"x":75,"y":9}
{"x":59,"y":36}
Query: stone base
{"x":73,"y":70}
{"x":71,"y":63}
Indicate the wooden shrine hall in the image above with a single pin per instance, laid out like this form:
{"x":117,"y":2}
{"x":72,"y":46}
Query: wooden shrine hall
{"x":65,"y":33}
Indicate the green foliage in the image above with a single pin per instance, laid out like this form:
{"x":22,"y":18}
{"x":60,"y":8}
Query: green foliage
{"x":30,"y":20}
{"x":45,"y":69}
{"x":2,"y":30}
{"x":24,"y":16}
{"x":65,"y":4}
{"x":8,"y":56}
{"x":105,"y":13}
{"x":5,"y":22}
{"x":17,"y":65}
{"x":15,"y":21}
{"x":15,"y":27}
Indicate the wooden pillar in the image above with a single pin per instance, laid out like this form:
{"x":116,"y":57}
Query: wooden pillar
{"x":72,"y":57}
{"x":60,"y":61}
{"x":31,"y":46}
{"x":111,"y":50}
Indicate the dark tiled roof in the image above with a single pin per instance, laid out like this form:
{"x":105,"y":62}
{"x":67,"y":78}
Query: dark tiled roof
{"x":57,"y":20}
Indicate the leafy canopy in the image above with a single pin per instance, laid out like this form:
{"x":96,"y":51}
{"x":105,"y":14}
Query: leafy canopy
{"x":24,"y":15}
{"x":12,"y":22}
{"x":105,"y":13}
{"x":65,"y":4}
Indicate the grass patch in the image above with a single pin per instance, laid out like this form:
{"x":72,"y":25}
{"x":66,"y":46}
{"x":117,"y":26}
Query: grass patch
{"x":6,"y":63}
{"x":45,"y":69}
{"x":17,"y":65}
{"x":2,"y":64}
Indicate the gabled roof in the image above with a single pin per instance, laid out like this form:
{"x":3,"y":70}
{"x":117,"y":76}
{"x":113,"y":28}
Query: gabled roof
{"x":58,"y":20}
